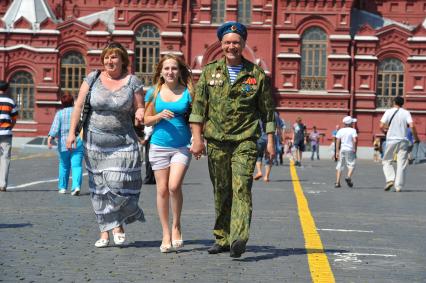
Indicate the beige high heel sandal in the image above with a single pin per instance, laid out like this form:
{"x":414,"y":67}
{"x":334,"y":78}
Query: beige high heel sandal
{"x":166,"y":248}
{"x":177,"y":244}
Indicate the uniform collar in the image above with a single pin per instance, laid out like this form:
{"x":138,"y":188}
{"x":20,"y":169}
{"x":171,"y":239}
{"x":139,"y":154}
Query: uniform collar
{"x":245,"y":70}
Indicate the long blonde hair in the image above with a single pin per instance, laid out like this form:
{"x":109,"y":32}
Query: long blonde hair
{"x":185,"y":77}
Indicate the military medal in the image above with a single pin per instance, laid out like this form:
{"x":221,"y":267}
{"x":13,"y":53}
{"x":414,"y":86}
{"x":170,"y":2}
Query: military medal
{"x":249,"y":85}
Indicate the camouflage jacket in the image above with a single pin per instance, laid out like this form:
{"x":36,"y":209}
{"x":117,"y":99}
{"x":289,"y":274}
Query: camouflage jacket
{"x":231,"y":112}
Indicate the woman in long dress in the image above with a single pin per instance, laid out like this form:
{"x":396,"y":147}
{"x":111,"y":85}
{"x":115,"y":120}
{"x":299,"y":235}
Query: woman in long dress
{"x":111,"y":145}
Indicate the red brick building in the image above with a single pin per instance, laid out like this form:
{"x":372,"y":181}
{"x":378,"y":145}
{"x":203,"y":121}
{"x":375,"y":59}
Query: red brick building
{"x":326,"y":58}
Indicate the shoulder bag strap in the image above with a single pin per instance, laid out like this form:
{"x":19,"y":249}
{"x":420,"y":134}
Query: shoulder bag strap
{"x":98,"y":73}
{"x":390,"y":121}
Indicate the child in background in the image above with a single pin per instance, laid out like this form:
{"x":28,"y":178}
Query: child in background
{"x":288,"y":149}
{"x":376,"y":146}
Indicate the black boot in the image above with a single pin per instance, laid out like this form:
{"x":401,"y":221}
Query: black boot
{"x":238,"y":247}
{"x":216,"y":249}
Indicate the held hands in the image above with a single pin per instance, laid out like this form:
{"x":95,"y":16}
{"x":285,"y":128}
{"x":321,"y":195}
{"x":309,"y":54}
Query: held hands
{"x":197,"y":148}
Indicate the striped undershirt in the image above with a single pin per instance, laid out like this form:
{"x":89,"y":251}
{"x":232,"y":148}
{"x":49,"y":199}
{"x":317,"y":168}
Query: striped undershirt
{"x":8,"y":115}
{"x":233,"y":72}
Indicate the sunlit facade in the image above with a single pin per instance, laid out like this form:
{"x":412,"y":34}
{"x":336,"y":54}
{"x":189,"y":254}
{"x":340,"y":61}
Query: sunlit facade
{"x":326,"y":59}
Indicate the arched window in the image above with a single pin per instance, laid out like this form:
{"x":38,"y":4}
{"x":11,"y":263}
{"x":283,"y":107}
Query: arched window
{"x":73,"y":70}
{"x":244,"y":11}
{"x":390,"y":82}
{"x":218,"y":11}
{"x":314,"y":59}
{"x":22,"y":91}
{"x":147,"y":53}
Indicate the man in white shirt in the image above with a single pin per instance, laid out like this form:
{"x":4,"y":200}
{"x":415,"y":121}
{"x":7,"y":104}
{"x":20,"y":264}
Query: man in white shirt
{"x":394,"y":123}
{"x":346,"y":145}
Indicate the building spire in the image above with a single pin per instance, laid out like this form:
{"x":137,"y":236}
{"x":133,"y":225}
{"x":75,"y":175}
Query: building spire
{"x":34,"y":11}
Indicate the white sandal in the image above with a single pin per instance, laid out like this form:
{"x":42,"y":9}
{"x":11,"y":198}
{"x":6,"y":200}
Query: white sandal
{"x":102,"y":243}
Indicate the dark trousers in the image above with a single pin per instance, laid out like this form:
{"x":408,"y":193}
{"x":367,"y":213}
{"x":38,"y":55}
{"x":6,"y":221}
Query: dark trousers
{"x":149,"y":174}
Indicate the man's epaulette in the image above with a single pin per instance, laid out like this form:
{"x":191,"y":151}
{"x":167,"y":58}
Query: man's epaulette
{"x":212,"y":62}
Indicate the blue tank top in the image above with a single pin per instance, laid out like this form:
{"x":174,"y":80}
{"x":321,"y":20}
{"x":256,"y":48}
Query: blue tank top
{"x":173,"y":132}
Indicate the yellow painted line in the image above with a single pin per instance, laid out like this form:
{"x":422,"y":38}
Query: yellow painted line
{"x":317,"y":259}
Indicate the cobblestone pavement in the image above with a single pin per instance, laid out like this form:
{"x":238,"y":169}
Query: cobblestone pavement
{"x":368,"y":235}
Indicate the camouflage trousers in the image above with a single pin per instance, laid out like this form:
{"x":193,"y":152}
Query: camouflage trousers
{"x":231,"y":166}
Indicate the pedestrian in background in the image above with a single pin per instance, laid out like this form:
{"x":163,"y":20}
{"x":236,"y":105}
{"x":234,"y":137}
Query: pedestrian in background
{"x":298,"y":140}
{"x":262,"y":155}
{"x":394,"y":123}
{"x":346,"y":146}
{"x":149,"y":173}
{"x":279,"y":138}
{"x":376,"y":148}
{"x":111,"y":148}
{"x":9,"y":113}
{"x":333,"y":143}
{"x":232,"y":95}
{"x":314,"y":138}
{"x":288,"y":149}
{"x":69,"y":160}
{"x":261,"y":144}
{"x":282,"y":141}
{"x":410,"y":139}
{"x":168,"y":102}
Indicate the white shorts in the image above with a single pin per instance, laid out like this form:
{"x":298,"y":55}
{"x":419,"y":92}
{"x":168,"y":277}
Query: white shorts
{"x":161,"y":157}
{"x":347,"y":158}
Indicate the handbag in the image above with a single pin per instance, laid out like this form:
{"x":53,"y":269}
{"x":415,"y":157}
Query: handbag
{"x":86,"y":107}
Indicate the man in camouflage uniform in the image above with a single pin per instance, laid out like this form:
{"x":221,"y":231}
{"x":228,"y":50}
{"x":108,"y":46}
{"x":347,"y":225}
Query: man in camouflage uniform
{"x":231,"y":95}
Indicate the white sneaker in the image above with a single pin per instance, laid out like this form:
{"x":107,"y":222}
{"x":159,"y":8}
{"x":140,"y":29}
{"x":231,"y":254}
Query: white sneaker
{"x":62,"y":191}
{"x":76,"y":192}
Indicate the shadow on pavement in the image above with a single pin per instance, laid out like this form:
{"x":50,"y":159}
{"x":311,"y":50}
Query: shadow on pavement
{"x":31,"y":190}
{"x":392,"y":191}
{"x":16,"y":225}
{"x":155,"y":244}
{"x":279,"y":181}
{"x":412,"y":191}
{"x":43,"y":190}
{"x":272,"y":252}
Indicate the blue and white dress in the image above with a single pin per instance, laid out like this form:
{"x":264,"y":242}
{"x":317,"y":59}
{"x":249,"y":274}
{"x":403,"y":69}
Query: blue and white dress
{"x":112,"y":154}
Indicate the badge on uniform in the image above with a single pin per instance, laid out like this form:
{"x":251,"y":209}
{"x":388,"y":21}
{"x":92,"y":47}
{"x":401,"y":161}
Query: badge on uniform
{"x":216,"y":80}
{"x":249,"y":85}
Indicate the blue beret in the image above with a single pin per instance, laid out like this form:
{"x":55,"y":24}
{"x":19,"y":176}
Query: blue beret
{"x":232,"y":27}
